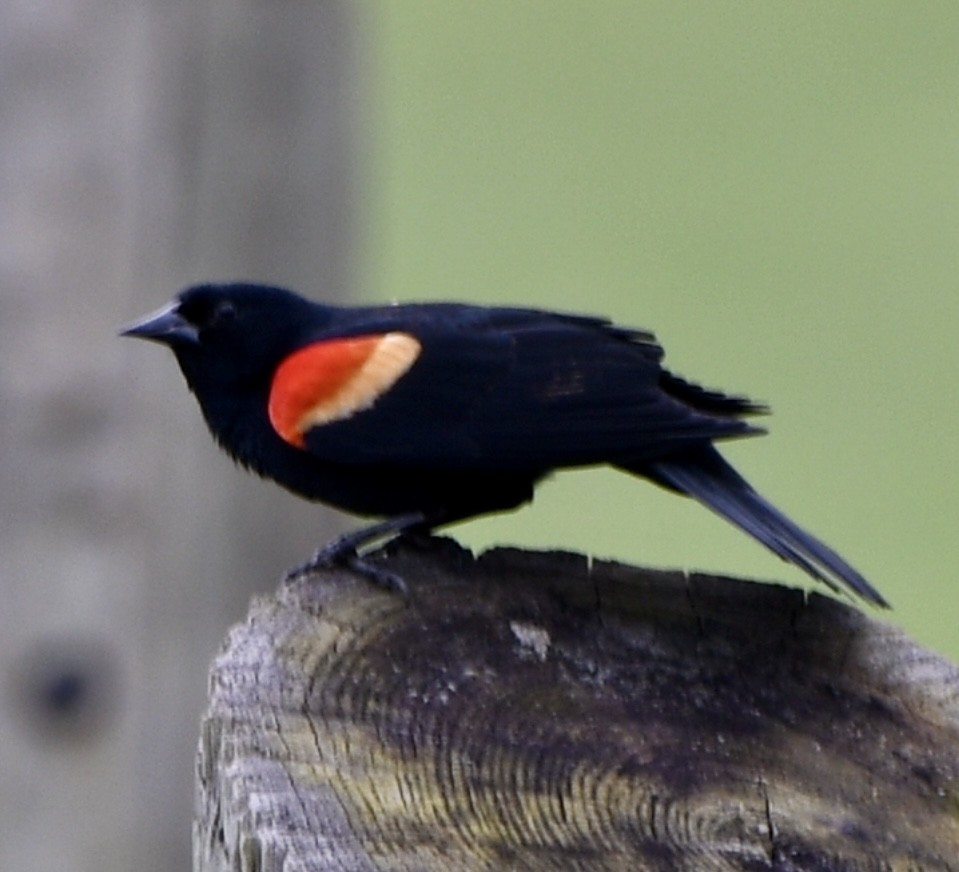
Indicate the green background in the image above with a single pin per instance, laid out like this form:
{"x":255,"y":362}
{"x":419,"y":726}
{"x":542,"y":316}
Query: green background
{"x":772,"y":187}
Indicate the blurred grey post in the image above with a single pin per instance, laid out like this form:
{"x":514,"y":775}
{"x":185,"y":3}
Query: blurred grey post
{"x":143,"y":146}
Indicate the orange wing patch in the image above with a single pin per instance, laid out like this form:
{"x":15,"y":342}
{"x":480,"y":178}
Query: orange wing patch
{"x":332,"y":380}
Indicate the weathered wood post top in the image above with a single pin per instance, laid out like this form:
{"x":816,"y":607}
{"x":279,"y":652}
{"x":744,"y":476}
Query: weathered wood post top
{"x":531,"y":711}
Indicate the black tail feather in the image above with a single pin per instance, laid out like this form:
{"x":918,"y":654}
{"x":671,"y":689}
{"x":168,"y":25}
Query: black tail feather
{"x":704,"y":474}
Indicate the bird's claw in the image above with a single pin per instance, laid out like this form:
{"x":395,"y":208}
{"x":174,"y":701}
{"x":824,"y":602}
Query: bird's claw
{"x":325,"y":558}
{"x":330,"y":557}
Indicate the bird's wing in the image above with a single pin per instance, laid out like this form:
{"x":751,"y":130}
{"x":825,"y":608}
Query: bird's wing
{"x":500,"y":388}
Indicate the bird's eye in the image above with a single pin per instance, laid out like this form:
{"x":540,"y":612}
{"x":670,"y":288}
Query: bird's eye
{"x":223,"y":312}
{"x":207,"y":314}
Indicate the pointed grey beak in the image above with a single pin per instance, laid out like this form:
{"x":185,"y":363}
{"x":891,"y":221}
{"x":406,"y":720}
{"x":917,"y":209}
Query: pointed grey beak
{"x":165,"y":326}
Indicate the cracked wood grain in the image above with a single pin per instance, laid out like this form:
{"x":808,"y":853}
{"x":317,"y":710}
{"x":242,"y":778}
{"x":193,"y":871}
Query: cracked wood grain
{"x":535,"y":712}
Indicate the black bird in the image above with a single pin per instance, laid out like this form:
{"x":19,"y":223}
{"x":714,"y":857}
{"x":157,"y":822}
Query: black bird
{"x":426,"y":414}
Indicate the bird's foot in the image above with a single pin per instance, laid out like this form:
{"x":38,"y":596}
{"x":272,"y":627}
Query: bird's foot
{"x":330,"y":557}
{"x":344,"y":552}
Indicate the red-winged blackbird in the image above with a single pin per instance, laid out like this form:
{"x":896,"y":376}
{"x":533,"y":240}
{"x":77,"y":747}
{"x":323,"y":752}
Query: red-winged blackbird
{"x":431,"y":413}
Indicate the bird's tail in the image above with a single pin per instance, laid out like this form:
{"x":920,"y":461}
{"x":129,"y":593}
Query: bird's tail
{"x":703,"y":473}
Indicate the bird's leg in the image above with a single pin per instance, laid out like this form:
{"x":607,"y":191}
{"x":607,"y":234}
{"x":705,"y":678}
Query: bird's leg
{"x":344,"y":551}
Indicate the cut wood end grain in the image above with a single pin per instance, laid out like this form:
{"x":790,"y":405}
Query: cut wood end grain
{"x":526,"y":708}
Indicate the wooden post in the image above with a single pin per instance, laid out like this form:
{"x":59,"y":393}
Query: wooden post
{"x":530,"y":711}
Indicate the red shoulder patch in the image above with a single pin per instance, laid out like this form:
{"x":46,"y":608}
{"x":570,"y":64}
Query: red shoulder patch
{"x":332,"y":380}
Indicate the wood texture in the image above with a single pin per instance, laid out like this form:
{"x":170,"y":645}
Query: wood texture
{"x":530,"y":711}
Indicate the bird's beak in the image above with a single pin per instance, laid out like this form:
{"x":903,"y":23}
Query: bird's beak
{"x":166,"y":326}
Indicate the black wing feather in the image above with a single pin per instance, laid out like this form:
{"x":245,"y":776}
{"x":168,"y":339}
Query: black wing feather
{"x":524,"y":389}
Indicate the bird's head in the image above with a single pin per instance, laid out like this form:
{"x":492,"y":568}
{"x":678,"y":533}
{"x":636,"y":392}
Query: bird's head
{"x":229,"y":333}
